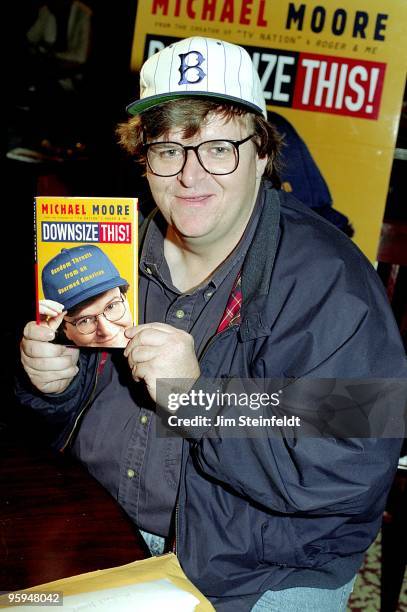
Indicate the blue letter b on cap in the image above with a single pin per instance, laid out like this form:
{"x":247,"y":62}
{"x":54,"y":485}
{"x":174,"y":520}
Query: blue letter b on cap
{"x":192,"y":70}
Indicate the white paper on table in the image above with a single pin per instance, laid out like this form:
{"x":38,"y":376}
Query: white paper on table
{"x":151,"y":596}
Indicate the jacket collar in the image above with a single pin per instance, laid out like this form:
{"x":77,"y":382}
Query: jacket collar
{"x":258,"y":266}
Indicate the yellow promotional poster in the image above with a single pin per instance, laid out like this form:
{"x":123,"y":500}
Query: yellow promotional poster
{"x":334,"y":71}
{"x":86,"y":268}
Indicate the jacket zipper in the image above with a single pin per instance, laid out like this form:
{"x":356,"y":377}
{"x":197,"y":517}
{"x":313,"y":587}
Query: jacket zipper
{"x":176,"y":528}
{"x":206,"y":348}
{"x":69,"y":438}
{"x":213,"y":339}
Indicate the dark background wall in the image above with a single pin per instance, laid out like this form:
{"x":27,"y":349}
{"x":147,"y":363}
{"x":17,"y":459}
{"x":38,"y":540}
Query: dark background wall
{"x":104,"y":171}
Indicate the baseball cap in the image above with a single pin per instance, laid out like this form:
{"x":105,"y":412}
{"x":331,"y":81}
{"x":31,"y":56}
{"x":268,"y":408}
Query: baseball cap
{"x":79,"y":273}
{"x":201,"y":67}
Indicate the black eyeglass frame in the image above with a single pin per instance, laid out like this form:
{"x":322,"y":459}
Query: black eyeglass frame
{"x":195,"y":149}
{"x":75,"y":323}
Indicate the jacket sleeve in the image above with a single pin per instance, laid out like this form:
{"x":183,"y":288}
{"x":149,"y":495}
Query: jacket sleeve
{"x":347,"y":331}
{"x":59,"y":410}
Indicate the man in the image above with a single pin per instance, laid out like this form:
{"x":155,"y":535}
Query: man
{"x":237,"y":280}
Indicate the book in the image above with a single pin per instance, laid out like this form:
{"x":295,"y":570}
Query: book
{"x":86,"y":264}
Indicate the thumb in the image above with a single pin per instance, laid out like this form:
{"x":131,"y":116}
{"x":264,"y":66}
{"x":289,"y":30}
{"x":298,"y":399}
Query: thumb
{"x":54,"y":322}
{"x":130,"y":332}
{"x":73,"y":353}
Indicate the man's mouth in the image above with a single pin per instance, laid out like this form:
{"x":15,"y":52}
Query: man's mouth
{"x":119,"y":337}
{"x":195,"y":200}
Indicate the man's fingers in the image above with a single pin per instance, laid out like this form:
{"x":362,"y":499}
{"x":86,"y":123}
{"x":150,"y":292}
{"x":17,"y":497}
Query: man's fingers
{"x":45,"y":330}
{"x":50,"y":367}
{"x":36,"y":348}
{"x":50,"y":307}
{"x":147,"y":337}
{"x":40,"y":378}
{"x":72,"y":352}
{"x":55,"y":322}
{"x":132,"y":332}
{"x":139,"y":371}
{"x":158,"y":350}
{"x":54,"y":386}
{"x":140,"y":354}
{"x":42,"y":332}
{"x":150,"y":337}
{"x":52,"y":364}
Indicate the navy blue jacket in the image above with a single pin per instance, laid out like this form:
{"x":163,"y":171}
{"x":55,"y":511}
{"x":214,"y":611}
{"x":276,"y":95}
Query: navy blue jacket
{"x":266,"y":513}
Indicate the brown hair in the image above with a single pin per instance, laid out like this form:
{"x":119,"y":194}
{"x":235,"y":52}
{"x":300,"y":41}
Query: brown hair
{"x":189,"y":114}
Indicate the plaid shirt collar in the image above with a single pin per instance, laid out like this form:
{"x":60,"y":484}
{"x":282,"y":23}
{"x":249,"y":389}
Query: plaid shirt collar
{"x":231,"y":316}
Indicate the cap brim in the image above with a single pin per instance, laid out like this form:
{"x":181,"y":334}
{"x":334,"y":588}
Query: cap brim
{"x":140,"y":106}
{"x":93,"y":291}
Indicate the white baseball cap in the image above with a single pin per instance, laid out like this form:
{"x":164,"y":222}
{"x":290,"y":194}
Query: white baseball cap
{"x":201,"y":67}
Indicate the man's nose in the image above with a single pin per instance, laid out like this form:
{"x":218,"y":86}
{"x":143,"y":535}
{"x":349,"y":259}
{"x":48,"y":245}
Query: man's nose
{"x":103,"y":325}
{"x":192,"y":170}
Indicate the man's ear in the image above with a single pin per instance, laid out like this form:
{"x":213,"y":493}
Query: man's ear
{"x":261,"y":163}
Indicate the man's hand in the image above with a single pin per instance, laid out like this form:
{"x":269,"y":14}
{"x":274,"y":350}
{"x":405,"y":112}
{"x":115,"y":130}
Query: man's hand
{"x":158,"y":350}
{"x":49,"y":308}
{"x":51,"y":367}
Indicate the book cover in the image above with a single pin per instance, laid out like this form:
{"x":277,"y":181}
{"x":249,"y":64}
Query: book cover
{"x":86,"y":263}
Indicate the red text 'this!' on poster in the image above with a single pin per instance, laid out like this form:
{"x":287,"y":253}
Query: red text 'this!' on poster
{"x":339,"y":85}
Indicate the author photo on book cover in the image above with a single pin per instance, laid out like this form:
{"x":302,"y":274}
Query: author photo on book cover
{"x":85,"y":299}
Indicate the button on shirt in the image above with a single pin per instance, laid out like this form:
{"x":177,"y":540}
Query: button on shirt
{"x":116,"y":439}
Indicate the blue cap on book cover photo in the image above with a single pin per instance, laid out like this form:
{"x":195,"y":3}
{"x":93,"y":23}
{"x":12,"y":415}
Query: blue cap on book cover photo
{"x":79,"y":273}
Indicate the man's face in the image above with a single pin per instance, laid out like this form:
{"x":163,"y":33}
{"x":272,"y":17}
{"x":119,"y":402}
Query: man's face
{"x":107,"y":333}
{"x":206,"y":209}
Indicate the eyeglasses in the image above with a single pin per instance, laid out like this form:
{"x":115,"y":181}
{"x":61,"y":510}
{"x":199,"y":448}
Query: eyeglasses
{"x":113,"y":312}
{"x":215,"y":156}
